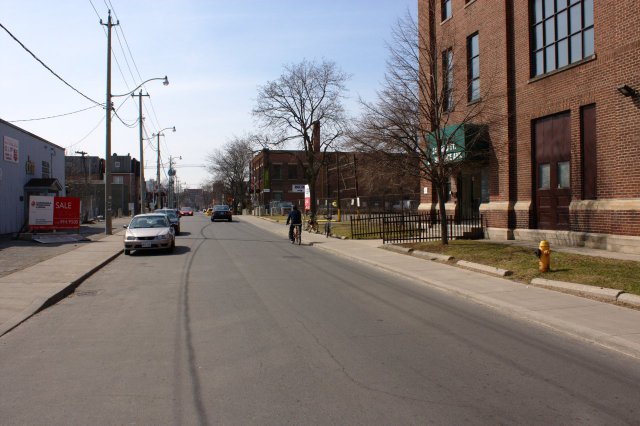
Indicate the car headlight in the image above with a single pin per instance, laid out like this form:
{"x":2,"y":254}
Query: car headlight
{"x":162,"y":237}
{"x":130,"y":238}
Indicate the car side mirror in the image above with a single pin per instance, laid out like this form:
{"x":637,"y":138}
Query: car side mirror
{"x":125,"y":226}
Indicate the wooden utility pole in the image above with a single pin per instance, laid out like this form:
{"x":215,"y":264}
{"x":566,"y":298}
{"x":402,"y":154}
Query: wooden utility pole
{"x":140,"y":122}
{"x":107,"y":168}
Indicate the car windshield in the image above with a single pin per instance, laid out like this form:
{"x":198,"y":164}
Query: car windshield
{"x":221,"y":208}
{"x":186,"y":209}
{"x":172,"y":214}
{"x":148,"y":222}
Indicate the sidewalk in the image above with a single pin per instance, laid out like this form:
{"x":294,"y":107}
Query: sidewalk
{"x":24,"y":293}
{"x":47,"y":274}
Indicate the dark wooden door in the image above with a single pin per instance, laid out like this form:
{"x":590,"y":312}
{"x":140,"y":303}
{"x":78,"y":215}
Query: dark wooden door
{"x":552,"y":146}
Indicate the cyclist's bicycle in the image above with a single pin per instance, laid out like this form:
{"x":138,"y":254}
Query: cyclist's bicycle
{"x":297,"y":234}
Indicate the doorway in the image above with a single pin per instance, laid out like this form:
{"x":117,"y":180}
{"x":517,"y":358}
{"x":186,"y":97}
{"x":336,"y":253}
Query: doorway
{"x":552,"y":171}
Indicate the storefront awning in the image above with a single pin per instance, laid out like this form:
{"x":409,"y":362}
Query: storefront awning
{"x":43,"y":184}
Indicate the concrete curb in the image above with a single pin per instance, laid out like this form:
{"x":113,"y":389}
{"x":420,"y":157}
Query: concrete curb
{"x":431,"y":256}
{"x":630,"y":299}
{"x":484,"y":268}
{"x":599,"y":292}
{"x":397,"y":249}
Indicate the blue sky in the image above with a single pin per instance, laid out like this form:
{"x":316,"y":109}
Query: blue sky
{"x":216,"y":54}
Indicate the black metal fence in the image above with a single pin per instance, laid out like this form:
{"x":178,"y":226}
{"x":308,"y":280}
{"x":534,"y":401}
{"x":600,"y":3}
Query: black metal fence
{"x":414,"y":227}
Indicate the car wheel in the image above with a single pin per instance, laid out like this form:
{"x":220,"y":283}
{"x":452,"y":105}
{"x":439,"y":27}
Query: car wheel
{"x":229,"y":219}
{"x":127,"y":252}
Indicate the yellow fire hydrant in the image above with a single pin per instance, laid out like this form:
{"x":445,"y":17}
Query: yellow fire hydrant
{"x":544,"y":254}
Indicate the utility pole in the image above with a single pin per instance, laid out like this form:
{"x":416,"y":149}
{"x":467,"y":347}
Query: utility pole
{"x":84,"y":164}
{"x":158,"y":201}
{"x":107,"y":168}
{"x":158,"y":164}
{"x":140,"y":122}
{"x":172,"y":173}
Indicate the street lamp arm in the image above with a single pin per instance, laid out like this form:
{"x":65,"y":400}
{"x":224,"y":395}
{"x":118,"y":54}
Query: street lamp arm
{"x":164,"y":82}
{"x":160,"y":131}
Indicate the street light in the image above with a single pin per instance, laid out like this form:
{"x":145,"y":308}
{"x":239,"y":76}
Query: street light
{"x":158,"y":164}
{"x":165,"y":82}
{"x":108,"y":229}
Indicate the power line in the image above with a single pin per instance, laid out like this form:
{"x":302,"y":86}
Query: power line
{"x":87,"y":135}
{"x":54,"y":116}
{"x":47,"y":67}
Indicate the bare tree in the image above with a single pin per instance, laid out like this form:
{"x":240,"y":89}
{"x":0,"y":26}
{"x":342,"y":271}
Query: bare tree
{"x":230,"y":166}
{"x":304,"y":105}
{"x":419,"y":111}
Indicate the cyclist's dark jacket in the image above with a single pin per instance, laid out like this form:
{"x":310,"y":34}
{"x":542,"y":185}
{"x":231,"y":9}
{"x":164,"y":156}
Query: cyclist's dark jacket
{"x":295,"y":217}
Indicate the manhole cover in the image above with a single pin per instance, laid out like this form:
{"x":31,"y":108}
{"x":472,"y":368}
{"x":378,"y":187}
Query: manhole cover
{"x":86,"y":292}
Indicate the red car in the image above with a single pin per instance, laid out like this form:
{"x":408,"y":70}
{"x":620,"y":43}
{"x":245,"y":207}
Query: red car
{"x":186,"y":211}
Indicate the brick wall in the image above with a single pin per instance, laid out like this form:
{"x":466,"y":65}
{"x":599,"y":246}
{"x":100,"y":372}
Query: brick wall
{"x":504,"y":28}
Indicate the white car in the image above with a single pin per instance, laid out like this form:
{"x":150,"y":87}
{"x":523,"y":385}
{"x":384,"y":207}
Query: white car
{"x":149,"y":232}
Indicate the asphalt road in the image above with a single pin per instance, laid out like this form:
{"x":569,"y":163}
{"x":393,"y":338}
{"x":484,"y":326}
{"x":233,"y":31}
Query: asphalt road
{"x":240,"y":327}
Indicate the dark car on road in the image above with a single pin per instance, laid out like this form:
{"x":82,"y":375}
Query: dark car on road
{"x":221,"y":212}
{"x":173,"y":217}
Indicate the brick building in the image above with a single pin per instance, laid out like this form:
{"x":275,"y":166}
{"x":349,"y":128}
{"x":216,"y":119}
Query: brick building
{"x":558,"y":83}
{"x":86,"y":180}
{"x":351,"y":180}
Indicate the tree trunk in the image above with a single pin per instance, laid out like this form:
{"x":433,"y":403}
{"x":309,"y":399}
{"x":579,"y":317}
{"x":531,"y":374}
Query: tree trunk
{"x":442,"y":189}
{"x":312,"y":194}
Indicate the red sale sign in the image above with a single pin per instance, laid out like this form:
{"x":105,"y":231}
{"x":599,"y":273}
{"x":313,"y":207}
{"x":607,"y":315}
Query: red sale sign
{"x":66,"y":213}
{"x":49,"y":213}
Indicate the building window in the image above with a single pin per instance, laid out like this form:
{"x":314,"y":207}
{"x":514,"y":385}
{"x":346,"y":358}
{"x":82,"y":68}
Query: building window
{"x":46,"y":173}
{"x":473,"y":67}
{"x":118,"y":180}
{"x":276,"y":172}
{"x":446,"y":9}
{"x":447,"y":78}
{"x":544,"y":176}
{"x":562,"y":33}
{"x":292,"y":171}
{"x":564,"y":174}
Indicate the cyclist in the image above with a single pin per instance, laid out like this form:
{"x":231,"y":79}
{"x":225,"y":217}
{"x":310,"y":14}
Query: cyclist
{"x":295,"y":217}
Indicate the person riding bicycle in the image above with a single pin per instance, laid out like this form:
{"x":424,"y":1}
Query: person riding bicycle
{"x":295,"y":217}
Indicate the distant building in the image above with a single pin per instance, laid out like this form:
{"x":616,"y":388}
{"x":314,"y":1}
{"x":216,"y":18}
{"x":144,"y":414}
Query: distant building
{"x":86,"y":180}
{"x":30,"y":165}
{"x":125,"y":184}
{"x":192,"y":197}
{"x":353,"y":181}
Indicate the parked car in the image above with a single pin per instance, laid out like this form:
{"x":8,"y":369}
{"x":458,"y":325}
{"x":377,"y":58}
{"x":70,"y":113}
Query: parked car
{"x":174,"y":219}
{"x":222,"y":212}
{"x":186,"y":211}
{"x":208,"y":211}
{"x":149,"y":232}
